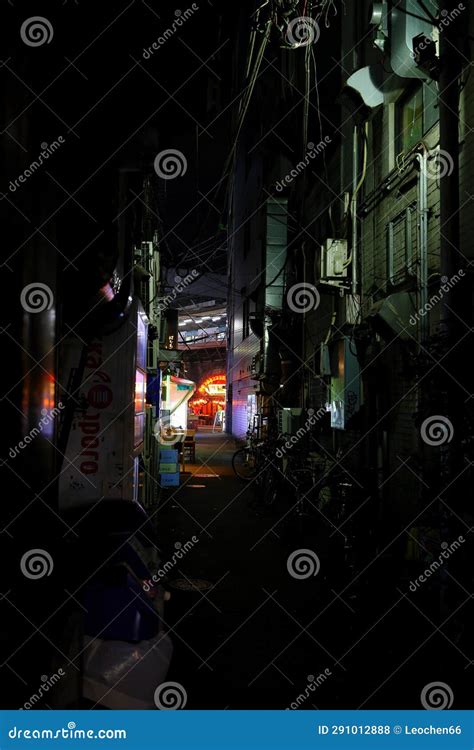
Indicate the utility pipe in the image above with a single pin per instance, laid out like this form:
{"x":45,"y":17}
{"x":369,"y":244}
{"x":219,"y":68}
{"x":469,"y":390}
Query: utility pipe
{"x":448,"y":103}
{"x":422,"y":210}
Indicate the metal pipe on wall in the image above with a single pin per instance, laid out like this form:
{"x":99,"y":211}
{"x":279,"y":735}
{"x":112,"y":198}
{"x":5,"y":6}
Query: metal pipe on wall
{"x":355,"y":171}
{"x":448,"y":102}
{"x":422,"y":211}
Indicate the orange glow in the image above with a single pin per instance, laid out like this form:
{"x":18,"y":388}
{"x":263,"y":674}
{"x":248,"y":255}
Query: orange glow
{"x":210,"y":395}
{"x":140,"y":388}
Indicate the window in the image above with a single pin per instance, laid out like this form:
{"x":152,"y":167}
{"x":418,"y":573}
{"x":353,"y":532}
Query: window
{"x":401,"y":236}
{"x":416,"y":114}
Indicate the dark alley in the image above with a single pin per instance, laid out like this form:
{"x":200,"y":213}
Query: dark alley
{"x":237,"y":394}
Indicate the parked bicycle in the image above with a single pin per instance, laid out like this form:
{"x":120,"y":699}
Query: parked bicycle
{"x":245,"y":459}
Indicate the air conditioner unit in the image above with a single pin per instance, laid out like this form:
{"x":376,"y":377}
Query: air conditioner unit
{"x":334,"y":261}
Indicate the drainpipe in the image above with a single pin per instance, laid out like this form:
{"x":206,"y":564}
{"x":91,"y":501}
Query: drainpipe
{"x":448,"y":102}
{"x":357,"y":183}
{"x":454,"y":304}
{"x":422,"y":159}
{"x":355,"y":172}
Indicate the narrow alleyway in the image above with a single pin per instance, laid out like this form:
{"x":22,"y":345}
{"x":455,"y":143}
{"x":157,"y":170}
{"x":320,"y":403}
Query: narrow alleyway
{"x":226,"y":637}
{"x":257,"y":636}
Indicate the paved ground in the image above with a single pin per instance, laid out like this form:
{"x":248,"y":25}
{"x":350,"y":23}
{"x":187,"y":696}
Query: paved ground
{"x":258,"y":635}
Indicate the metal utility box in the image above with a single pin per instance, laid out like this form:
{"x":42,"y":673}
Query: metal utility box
{"x":108,"y":423}
{"x":334,"y":261}
{"x":345,"y":383}
{"x":289,"y":420}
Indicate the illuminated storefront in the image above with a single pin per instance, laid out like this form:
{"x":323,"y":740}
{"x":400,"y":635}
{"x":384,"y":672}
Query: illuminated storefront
{"x":210,"y":396}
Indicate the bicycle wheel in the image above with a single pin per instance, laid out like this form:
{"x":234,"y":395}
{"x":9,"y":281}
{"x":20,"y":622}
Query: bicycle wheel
{"x":244,"y":464}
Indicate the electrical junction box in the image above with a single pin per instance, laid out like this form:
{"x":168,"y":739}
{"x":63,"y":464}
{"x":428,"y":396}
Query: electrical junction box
{"x":334,"y":261}
{"x":324,"y":360}
{"x":289,"y":420}
{"x":345,"y":383}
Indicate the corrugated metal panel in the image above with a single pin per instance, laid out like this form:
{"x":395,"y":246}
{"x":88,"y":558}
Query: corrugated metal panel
{"x":240,"y":413}
{"x":242,"y":356}
{"x":242,"y":386}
